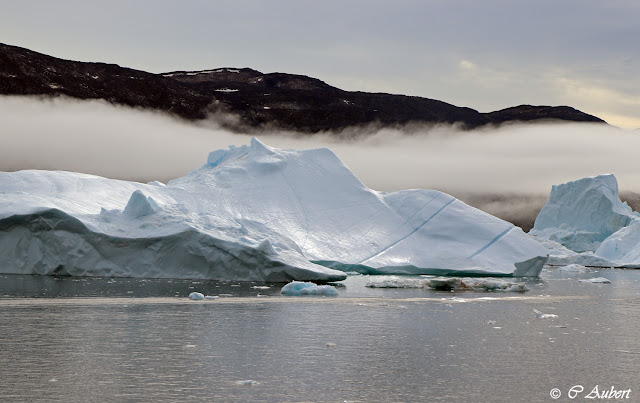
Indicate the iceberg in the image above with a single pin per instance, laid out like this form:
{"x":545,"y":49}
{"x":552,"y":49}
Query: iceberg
{"x":251,"y":213}
{"x":585,"y":223}
{"x":583,"y":213}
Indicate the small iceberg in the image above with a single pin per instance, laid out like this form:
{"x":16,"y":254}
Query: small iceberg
{"x":301,"y":288}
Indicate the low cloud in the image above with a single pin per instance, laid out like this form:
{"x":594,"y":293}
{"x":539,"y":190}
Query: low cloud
{"x":118,"y":142}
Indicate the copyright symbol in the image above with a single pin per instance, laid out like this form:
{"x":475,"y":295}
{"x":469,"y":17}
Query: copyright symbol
{"x":555,"y":393}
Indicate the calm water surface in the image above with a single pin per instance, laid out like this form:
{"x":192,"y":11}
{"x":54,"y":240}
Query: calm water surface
{"x":66,"y":339}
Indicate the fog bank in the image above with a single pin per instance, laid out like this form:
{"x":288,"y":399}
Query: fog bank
{"x":119,"y":142}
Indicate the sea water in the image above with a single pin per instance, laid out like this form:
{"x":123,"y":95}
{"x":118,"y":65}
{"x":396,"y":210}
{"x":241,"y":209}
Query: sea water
{"x":87,"y":339}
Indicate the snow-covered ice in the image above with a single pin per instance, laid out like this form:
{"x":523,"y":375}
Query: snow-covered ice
{"x":252,"y":213}
{"x":302,"y":288}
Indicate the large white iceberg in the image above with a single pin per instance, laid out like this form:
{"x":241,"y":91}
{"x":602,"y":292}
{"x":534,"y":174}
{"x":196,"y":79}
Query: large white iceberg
{"x":585,"y":223}
{"x":251,"y":213}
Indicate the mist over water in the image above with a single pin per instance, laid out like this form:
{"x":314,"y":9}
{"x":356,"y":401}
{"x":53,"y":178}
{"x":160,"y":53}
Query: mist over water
{"x":507,"y":171}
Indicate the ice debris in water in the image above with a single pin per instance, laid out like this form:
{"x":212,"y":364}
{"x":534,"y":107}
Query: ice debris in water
{"x":573,"y":268}
{"x":300,"y":288}
{"x":198,"y":296}
{"x":541,"y":315}
{"x":600,"y":280}
{"x":397,"y":282}
{"x":449,"y":284}
{"x":247,"y":382}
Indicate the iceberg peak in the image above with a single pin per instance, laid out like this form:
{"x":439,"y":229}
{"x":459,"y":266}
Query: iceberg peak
{"x":140,"y":205}
{"x":259,"y":146}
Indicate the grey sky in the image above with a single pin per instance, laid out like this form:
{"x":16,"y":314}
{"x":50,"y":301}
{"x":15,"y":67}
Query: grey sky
{"x":486,"y":54}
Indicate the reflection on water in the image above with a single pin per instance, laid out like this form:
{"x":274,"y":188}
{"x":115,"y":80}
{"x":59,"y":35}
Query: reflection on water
{"x":142,"y":340}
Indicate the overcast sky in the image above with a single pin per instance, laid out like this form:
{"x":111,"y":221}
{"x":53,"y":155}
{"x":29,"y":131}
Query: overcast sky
{"x":486,"y":55}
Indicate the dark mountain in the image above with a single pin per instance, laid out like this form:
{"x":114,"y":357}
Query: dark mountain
{"x":528,"y":112}
{"x":278,"y":100}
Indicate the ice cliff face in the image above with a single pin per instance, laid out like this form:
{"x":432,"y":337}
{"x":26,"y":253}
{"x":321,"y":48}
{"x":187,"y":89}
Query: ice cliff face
{"x":251,"y":213}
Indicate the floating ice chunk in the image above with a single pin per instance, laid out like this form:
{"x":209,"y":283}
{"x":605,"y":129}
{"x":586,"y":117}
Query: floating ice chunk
{"x":573,"y":268}
{"x":300,"y":288}
{"x":247,"y":382}
{"x":446,"y":283}
{"x":398,"y":282}
{"x":449,"y":284}
{"x":481,"y":284}
{"x":211,"y":297}
{"x":541,"y":315}
{"x":600,"y":280}
{"x":458,"y":299}
{"x":196,"y":296}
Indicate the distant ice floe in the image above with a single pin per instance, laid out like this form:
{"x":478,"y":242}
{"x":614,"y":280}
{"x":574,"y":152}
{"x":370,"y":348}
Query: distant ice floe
{"x":600,"y":280}
{"x":301,"y":288}
{"x":541,"y":315}
{"x":196,"y":296}
{"x":449,"y":284}
{"x":247,"y":382}
{"x":584,"y":222}
{"x":573,"y":268}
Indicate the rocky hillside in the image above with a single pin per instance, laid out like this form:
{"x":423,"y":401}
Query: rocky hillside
{"x":277,"y":100}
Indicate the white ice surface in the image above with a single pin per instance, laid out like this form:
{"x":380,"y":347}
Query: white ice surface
{"x":251,"y":213}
